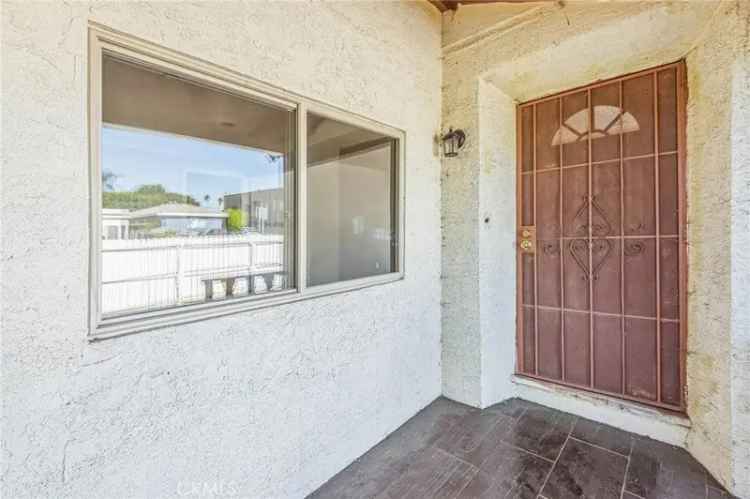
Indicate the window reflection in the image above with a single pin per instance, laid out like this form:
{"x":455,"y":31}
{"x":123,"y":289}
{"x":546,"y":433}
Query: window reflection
{"x":351,"y":202}
{"x":197,"y":192}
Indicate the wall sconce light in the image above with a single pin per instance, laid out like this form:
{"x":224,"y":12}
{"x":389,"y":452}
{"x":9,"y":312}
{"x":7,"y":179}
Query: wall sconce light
{"x":452,"y":142}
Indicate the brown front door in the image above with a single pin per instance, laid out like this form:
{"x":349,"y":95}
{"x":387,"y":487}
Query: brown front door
{"x":601,"y":253}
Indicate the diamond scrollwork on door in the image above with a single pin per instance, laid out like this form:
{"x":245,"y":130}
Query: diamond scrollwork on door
{"x":582,"y":229}
{"x":601,"y":249}
{"x":600,"y":225}
{"x":578,"y":250}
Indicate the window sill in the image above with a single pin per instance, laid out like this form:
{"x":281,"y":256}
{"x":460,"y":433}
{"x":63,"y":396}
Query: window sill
{"x":131,"y":324}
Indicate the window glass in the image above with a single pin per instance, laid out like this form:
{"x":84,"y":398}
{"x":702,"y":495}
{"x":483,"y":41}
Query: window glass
{"x":351,"y":202}
{"x":197,"y":192}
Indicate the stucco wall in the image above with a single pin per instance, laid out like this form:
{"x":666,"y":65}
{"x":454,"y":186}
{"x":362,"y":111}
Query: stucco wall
{"x":497,"y":229}
{"x":718,"y":220}
{"x":461,"y":359}
{"x":547,"y":48}
{"x":740,"y":274}
{"x":263,"y":404}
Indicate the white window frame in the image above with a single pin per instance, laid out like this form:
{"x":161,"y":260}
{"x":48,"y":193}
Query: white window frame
{"x":103,"y":40}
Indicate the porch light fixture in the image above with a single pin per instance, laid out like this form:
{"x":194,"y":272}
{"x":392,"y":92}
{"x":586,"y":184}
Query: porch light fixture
{"x":452,"y":142}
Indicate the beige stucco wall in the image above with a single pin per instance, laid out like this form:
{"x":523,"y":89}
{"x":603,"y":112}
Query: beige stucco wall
{"x":740,"y":270}
{"x":542,"y":49}
{"x":263,"y":404}
{"x":718,"y":158}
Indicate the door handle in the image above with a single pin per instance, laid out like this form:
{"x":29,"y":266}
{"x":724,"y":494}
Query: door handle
{"x":527,"y":244}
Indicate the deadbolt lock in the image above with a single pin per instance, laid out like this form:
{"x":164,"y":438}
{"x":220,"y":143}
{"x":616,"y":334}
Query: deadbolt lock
{"x":525,"y":233}
{"x":526,"y":245}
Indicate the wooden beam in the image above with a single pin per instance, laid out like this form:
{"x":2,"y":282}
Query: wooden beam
{"x":439,"y":5}
{"x":445,"y":5}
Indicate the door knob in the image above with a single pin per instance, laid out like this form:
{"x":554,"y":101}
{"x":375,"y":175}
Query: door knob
{"x":527,"y":236}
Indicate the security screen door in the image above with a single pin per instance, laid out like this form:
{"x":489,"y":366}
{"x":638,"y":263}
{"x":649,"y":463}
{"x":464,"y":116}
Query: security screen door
{"x":601,"y":248}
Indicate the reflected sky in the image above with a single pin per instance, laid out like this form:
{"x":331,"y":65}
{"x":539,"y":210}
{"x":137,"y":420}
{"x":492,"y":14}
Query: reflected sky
{"x":186,"y":165}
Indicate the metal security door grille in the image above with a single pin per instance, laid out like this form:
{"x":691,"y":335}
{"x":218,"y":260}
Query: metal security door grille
{"x":601,"y":253}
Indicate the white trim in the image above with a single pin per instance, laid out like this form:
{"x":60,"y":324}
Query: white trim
{"x":95,"y":196}
{"x":103,"y":39}
{"x":629,"y":416}
{"x":138,"y":323}
{"x":301,"y":179}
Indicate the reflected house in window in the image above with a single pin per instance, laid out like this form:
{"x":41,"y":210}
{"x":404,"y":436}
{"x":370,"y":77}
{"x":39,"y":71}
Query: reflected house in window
{"x":115,"y":223}
{"x":608,"y":120}
{"x":172,"y":148}
{"x":205,"y":178}
{"x":176,"y":219}
{"x":264,"y":209}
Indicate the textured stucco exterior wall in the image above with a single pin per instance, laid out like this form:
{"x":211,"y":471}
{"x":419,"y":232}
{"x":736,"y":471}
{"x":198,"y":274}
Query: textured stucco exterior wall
{"x":263,"y":404}
{"x":544,"y":49}
{"x":461,"y":359}
{"x":497,"y":281}
{"x":741,"y":269}
{"x":719,"y":275}
{"x":478,"y":208}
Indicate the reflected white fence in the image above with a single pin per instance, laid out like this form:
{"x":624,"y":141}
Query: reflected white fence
{"x":146,"y":274}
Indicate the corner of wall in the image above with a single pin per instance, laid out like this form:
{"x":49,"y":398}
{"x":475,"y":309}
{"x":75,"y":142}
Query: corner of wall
{"x":718,"y":235}
{"x":461,"y":362}
{"x":497,"y":253}
{"x":740,"y":348}
{"x":478,"y":206}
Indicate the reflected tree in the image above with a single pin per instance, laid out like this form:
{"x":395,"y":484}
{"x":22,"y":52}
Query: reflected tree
{"x":145,"y":196}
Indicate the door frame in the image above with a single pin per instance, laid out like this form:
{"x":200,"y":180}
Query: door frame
{"x":681,"y":114}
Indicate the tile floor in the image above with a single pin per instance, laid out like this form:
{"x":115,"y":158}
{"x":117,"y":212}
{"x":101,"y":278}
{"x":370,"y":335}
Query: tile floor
{"x":517,"y":449}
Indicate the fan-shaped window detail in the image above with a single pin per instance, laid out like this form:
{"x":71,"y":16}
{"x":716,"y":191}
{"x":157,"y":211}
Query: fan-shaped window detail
{"x":608,"y":120}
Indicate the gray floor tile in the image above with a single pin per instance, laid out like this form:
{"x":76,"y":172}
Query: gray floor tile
{"x":513,"y":408}
{"x":714,"y":493}
{"x":586,"y":471}
{"x":476,"y":436}
{"x":658,"y":470}
{"x":374,"y":471}
{"x":450,"y":450}
{"x":541,"y":430}
{"x":602,"y":435}
{"x":433,"y":473}
{"x":508,"y":472}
